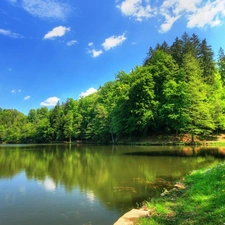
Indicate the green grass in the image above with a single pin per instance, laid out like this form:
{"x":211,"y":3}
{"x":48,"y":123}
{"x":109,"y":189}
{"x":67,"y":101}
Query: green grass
{"x":201,"y":202}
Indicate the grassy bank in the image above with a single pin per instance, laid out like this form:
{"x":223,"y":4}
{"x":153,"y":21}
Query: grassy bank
{"x":199,"y":199}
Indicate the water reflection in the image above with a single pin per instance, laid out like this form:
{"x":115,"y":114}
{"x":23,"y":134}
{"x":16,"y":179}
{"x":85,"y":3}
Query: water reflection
{"x":93,"y":180}
{"x":191,"y":151}
{"x":48,"y":184}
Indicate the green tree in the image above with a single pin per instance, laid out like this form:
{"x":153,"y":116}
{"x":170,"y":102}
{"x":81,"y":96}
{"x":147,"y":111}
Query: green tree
{"x":56,"y":122}
{"x":72,"y":105}
{"x":32,"y":116}
{"x":177,"y":51}
{"x":120,"y":113}
{"x":207,"y":63}
{"x":68,"y":125}
{"x":198,"y":116}
{"x":44,"y":131}
{"x":86,"y":110}
{"x":221,"y":64}
{"x":163,"y":68}
{"x":141,"y":101}
{"x":216,"y":97}
{"x":176,"y":100}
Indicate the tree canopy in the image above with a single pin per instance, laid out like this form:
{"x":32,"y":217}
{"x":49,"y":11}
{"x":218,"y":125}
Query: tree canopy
{"x":178,"y":89}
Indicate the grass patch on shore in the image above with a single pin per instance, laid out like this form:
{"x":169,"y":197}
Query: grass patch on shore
{"x":201,"y":200}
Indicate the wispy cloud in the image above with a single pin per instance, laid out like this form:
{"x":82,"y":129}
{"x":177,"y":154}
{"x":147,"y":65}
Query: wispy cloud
{"x":88,"y":92}
{"x":27,"y":97}
{"x":197,"y":13}
{"x":94,"y":53}
{"x":44,"y":9}
{"x":139,"y":9}
{"x":168,"y":23}
{"x":108,"y":44}
{"x":52,"y":101}
{"x":10,"y":34}
{"x":113,"y":41}
{"x":211,"y":14}
{"x":72,"y":42}
{"x":15,"y":91}
{"x":56,"y":32}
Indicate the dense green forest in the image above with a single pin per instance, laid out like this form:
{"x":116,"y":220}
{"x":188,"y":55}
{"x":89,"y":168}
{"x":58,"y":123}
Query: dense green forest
{"x":178,"y":89}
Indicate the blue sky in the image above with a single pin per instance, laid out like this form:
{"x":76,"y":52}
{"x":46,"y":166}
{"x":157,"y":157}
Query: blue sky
{"x":51,"y":50}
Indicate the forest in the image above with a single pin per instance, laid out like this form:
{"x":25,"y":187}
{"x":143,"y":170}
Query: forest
{"x":179,"y":89}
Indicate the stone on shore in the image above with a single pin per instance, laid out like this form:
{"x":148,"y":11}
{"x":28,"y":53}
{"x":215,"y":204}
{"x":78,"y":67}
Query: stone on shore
{"x":130,"y":217}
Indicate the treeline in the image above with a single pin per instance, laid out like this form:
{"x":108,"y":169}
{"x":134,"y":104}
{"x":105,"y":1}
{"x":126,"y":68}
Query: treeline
{"x":178,"y":89}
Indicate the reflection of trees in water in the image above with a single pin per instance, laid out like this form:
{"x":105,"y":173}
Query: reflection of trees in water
{"x":189,"y":151}
{"x":106,"y":173}
{"x":203,"y":151}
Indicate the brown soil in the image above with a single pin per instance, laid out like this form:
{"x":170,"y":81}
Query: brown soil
{"x":183,"y":138}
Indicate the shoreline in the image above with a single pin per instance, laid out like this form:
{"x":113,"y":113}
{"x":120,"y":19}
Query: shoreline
{"x":198,"y":198}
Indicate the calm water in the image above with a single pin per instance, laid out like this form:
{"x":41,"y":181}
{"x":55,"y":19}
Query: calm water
{"x":81,"y":185}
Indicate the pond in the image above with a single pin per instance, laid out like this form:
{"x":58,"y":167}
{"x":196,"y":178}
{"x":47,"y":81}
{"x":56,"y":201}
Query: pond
{"x":82,"y":184}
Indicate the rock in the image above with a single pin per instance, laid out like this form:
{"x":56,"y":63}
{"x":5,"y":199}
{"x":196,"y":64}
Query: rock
{"x":130,"y":217}
{"x":179,"y":185}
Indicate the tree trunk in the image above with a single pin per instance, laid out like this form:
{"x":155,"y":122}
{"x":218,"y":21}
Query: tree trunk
{"x":192,"y":138}
{"x":112,"y":138}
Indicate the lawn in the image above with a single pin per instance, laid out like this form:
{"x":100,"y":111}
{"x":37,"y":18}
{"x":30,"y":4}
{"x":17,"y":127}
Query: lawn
{"x":198,"y":199}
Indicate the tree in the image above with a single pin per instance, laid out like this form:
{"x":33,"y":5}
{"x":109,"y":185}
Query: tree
{"x":216,"y":97}
{"x":86,"y":109}
{"x":177,"y":51}
{"x":119,"y":114}
{"x":176,"y":99}
{"x":32,"y":116}
{"x":163,"y":68}
{"x":141,"y":101}
{"x":198,"y":116}
{"x":44,"y":131}
{"x":206,"y":62}
{"x":221,"y":64}
{"x":56,"y":122}
{"x":68,"y":125}
{"x":72,"y":105}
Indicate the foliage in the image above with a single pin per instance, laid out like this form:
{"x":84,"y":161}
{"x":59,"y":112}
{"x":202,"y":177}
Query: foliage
{"x":178,"y":89}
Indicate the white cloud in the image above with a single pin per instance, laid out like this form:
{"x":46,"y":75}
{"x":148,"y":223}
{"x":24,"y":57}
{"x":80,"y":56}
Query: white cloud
{"x":138,"y":9}
{"x":177,"y":6}
{"x":10,"y":34}
{"x":52,"y":101}
{"x":172,"y":10}
{"x":90,"y":196}
{"x":113,"y":41}
{"x":48,"y":184}
{"x":13,"y":91}
{"x":95,"y":53}
{"x":27,"y":97}
{"x":90,"y":43}
{"x":197,"y":13}
{"x":88,"y":92}
{"x":166,"y":26}
{"x":46,"y":9}
{"x":210,"y":14}
{"x":72,"y":42}
{"x":56,"y":32}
